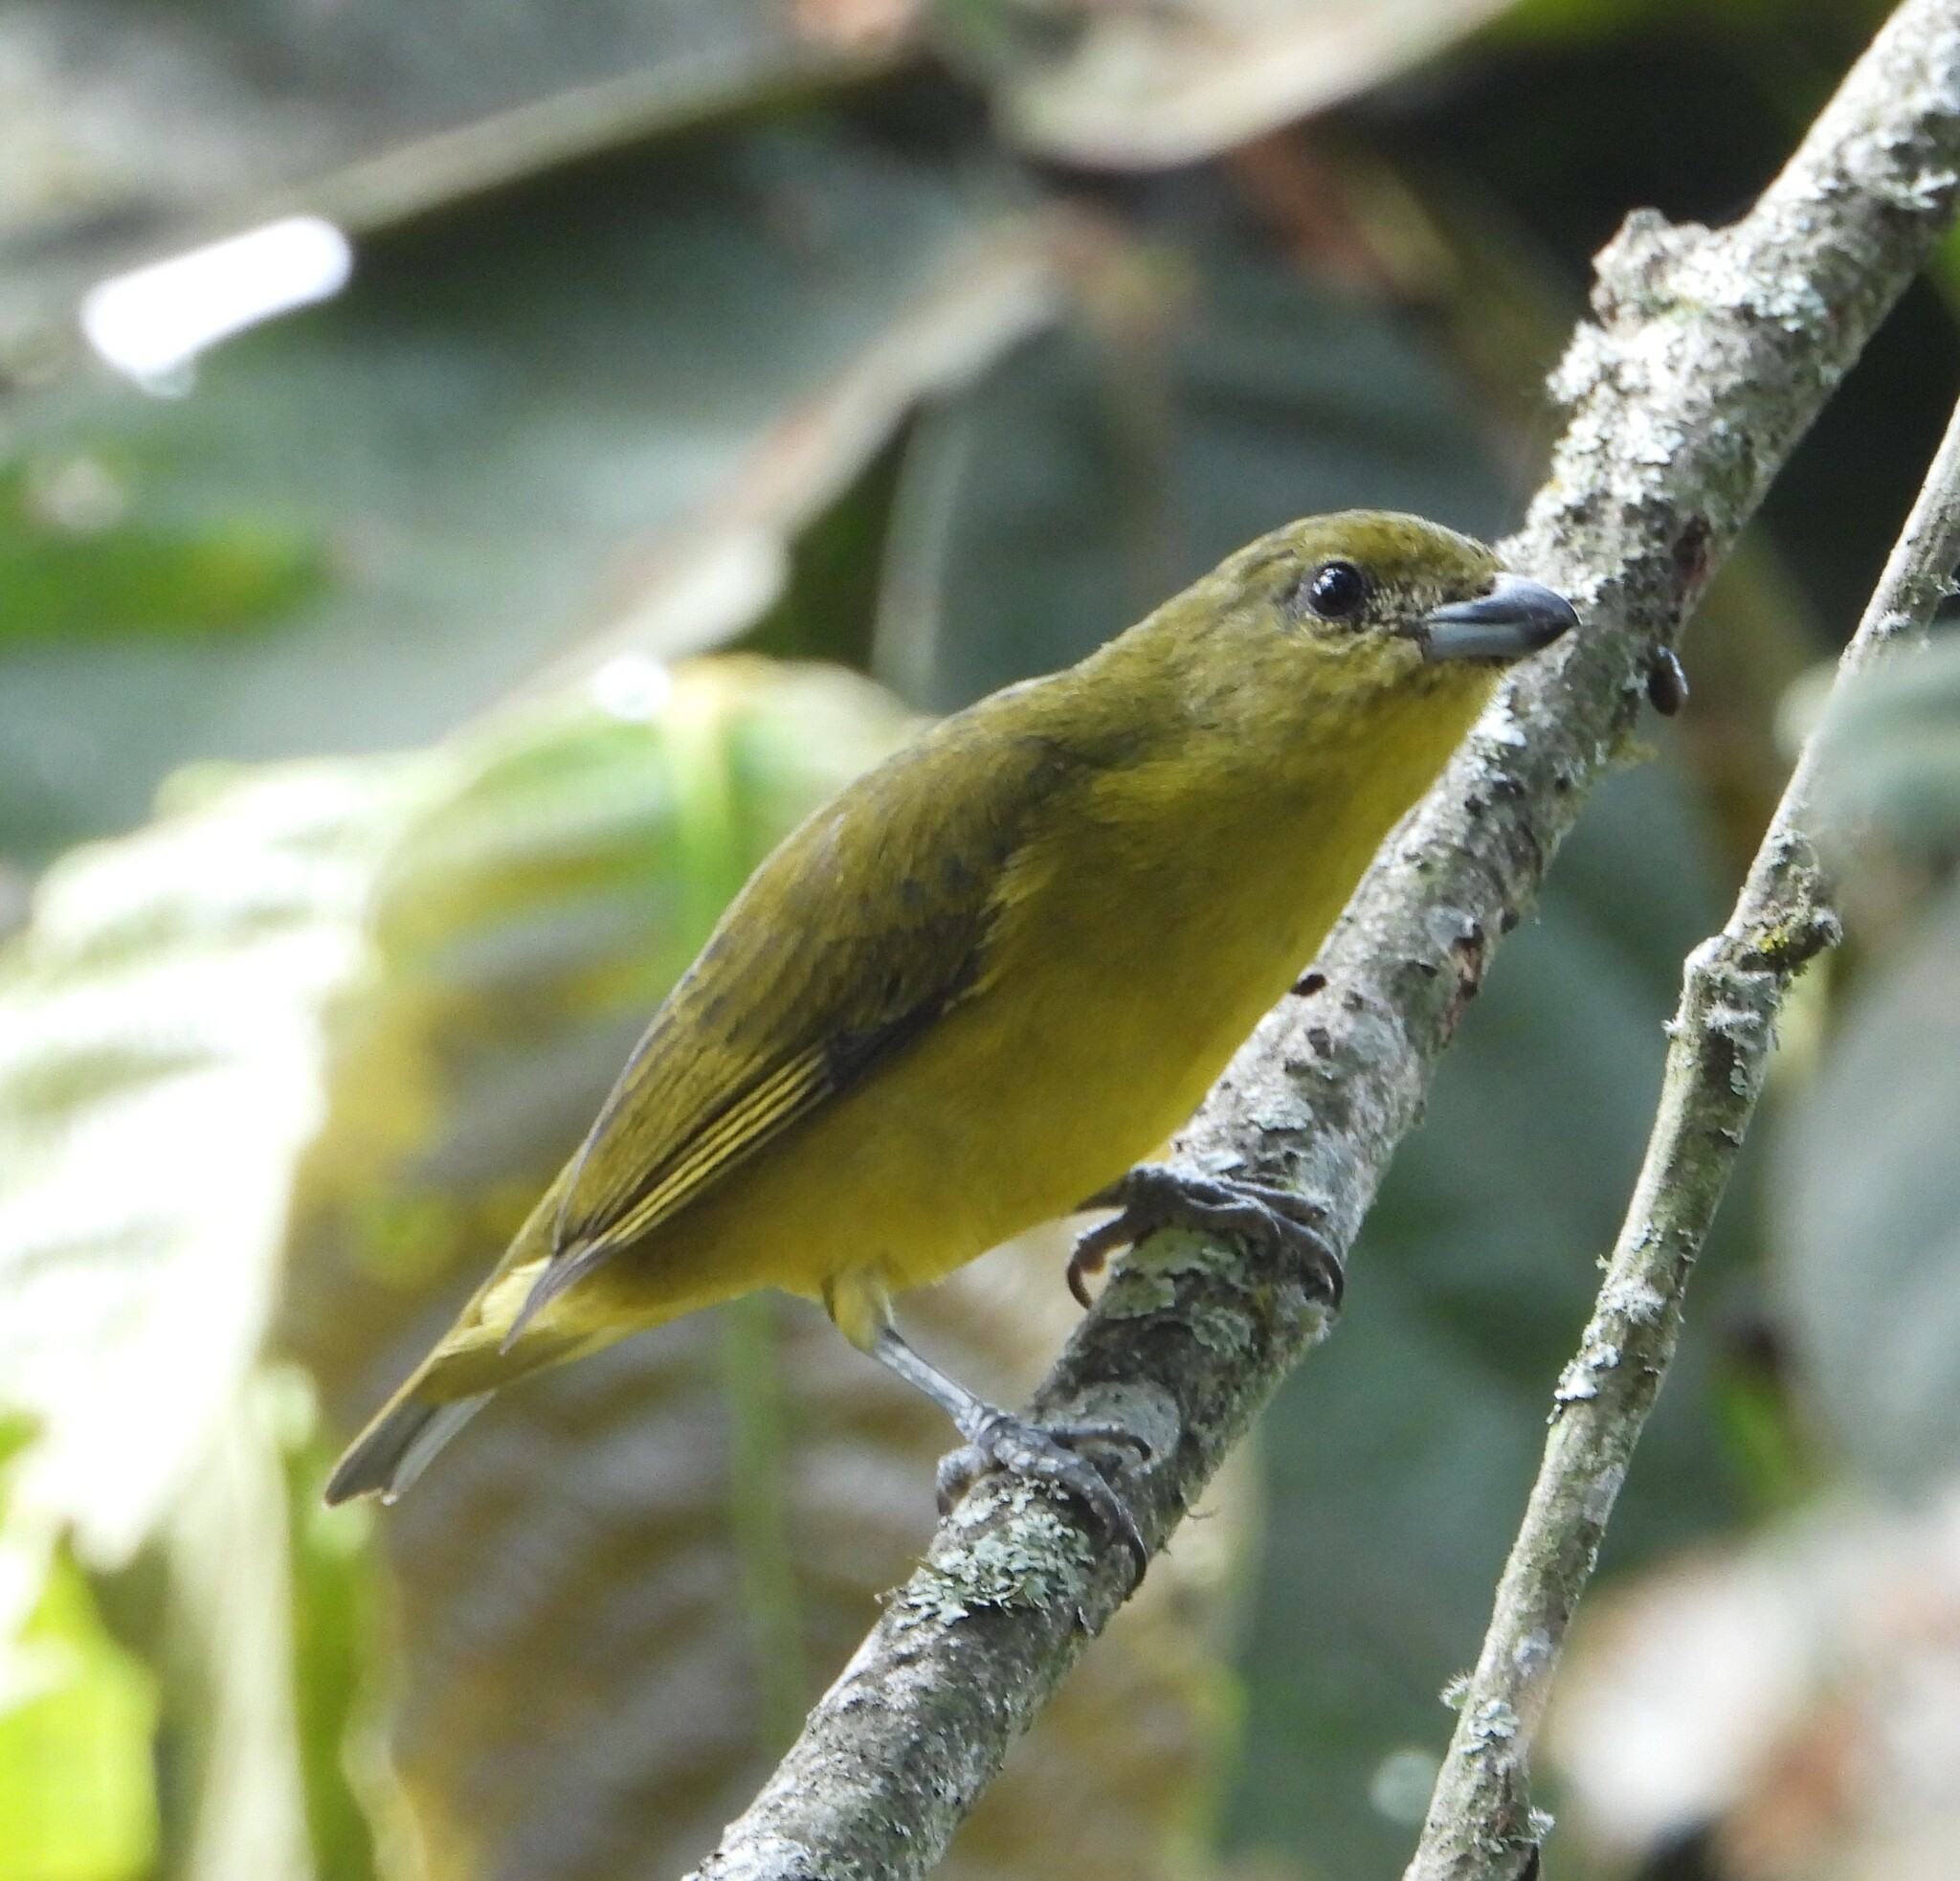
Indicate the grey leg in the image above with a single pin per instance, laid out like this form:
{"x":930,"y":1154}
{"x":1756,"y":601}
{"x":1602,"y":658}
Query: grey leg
{"x":998,"y":1440}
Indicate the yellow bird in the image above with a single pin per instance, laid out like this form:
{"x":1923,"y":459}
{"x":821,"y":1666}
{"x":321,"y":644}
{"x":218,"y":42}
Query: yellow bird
{"x":985,"y":980}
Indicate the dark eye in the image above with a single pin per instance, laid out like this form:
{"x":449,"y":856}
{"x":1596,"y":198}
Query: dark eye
{"x":1334,"y":590}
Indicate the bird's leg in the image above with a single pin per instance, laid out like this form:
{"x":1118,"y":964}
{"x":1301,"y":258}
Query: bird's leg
{"x":998,"y":1440}
{"x":1154,"y":1195}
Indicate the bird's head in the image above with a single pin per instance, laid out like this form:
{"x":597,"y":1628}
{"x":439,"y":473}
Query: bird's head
{"x":1366,"y":631}
{"x":1379,"y":599}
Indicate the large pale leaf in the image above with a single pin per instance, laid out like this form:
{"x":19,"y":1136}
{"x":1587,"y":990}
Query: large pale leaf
{"x":168,"y":998}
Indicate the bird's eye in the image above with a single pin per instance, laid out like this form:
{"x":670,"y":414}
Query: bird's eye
{"x":1334,"y":590}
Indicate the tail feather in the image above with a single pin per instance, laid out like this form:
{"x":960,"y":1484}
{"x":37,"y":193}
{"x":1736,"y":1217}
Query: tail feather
{"x":497,"y":1338}
{"x":398,"y":1447}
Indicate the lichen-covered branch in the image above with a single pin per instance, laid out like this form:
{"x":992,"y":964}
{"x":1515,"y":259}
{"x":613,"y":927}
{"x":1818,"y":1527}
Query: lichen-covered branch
{"x":1480,"y":1826}
{"x":1711,"y":354}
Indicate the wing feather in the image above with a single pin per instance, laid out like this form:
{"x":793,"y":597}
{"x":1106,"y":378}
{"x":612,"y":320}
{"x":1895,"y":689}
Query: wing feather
{"x":862,"y":928}
{"x":744,"y":1128}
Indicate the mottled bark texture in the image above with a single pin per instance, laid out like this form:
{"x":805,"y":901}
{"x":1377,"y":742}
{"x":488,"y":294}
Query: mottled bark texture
{"x":1710,"y":354}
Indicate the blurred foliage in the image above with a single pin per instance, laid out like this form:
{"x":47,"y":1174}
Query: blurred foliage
{"x":937,"y":341}
{"x":1868,"y":1199}
{"x":444,"y":480}
{"x":76,"y":1804}
{"x":135,"y":126}
{"x":1784,"y":1708}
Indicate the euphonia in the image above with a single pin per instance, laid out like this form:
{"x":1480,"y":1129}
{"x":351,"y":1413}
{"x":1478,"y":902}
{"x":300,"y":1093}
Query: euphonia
{"x":975,"y":989}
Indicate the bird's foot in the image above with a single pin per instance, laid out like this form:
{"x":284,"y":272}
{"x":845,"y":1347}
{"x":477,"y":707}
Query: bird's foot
{"x":1154,"y":1195}
{"x":998,"y":1440}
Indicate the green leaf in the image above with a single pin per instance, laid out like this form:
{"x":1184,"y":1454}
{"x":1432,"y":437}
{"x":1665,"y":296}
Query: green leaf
{"x":72,"y":565}
{"x":176,"y":981}
{"x":78,"y":1798}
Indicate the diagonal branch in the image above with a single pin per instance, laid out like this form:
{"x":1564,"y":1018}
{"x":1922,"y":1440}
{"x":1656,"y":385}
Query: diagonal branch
{"x":1480,"y":1824}
{"x":1712,"y":353}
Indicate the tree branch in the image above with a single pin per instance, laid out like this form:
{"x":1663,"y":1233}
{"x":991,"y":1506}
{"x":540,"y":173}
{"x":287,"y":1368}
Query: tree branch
{"x":1480,"y":1824}
{"x":1712,"y":353}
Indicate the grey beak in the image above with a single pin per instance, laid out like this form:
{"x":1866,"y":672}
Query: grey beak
{"x":1517,"y":616}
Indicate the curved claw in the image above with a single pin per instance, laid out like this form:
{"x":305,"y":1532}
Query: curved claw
{"x":1001,"y":1441}
{"x":1091,"y":1253}
{"x":1154,"y":1195}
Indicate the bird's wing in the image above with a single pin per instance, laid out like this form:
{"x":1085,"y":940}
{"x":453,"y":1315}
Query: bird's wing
{"x":862,"y":928}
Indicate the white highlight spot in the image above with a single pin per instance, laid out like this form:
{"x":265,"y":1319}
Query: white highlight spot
{"x":633,"y":685}
{"x":152,"y":323}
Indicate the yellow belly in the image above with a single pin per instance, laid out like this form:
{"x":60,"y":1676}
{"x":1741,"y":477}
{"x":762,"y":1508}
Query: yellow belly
{"x":1126,"y":969}
{"x":1089,"y":1044}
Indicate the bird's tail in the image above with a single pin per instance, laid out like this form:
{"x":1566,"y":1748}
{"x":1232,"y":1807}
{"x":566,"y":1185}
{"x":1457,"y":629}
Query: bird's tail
{"x":398,"y":1444}
{"x":514,"y":1325}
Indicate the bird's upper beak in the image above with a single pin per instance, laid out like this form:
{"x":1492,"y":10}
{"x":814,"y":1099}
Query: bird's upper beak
{"x":1515,"y":618}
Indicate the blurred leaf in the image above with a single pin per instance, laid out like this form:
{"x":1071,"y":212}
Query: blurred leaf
{"x":1131,"y":85}
{"x":77,"y":1793}
{"x":1101,"y":468}
{"x":1790,"y":1702}
{"x":1891,"y":752}
{"x":1578,"y":20}
{"x":134,"y":126}
{"x":72,"y":567}
{"x":1866,"y":1204}
{"x":180,"y":974}
{"x":602,"y":409}
{"x":337,"y":1671}
{"x":230,"y":1728}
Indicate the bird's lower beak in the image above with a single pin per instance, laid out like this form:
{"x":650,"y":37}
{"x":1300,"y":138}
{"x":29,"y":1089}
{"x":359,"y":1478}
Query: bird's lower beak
{"x":1517,"y":616}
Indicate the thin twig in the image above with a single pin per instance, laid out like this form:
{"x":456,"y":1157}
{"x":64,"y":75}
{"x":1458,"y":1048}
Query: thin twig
{"x":1712,"y":352}
{"x":1480,"y":1824}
